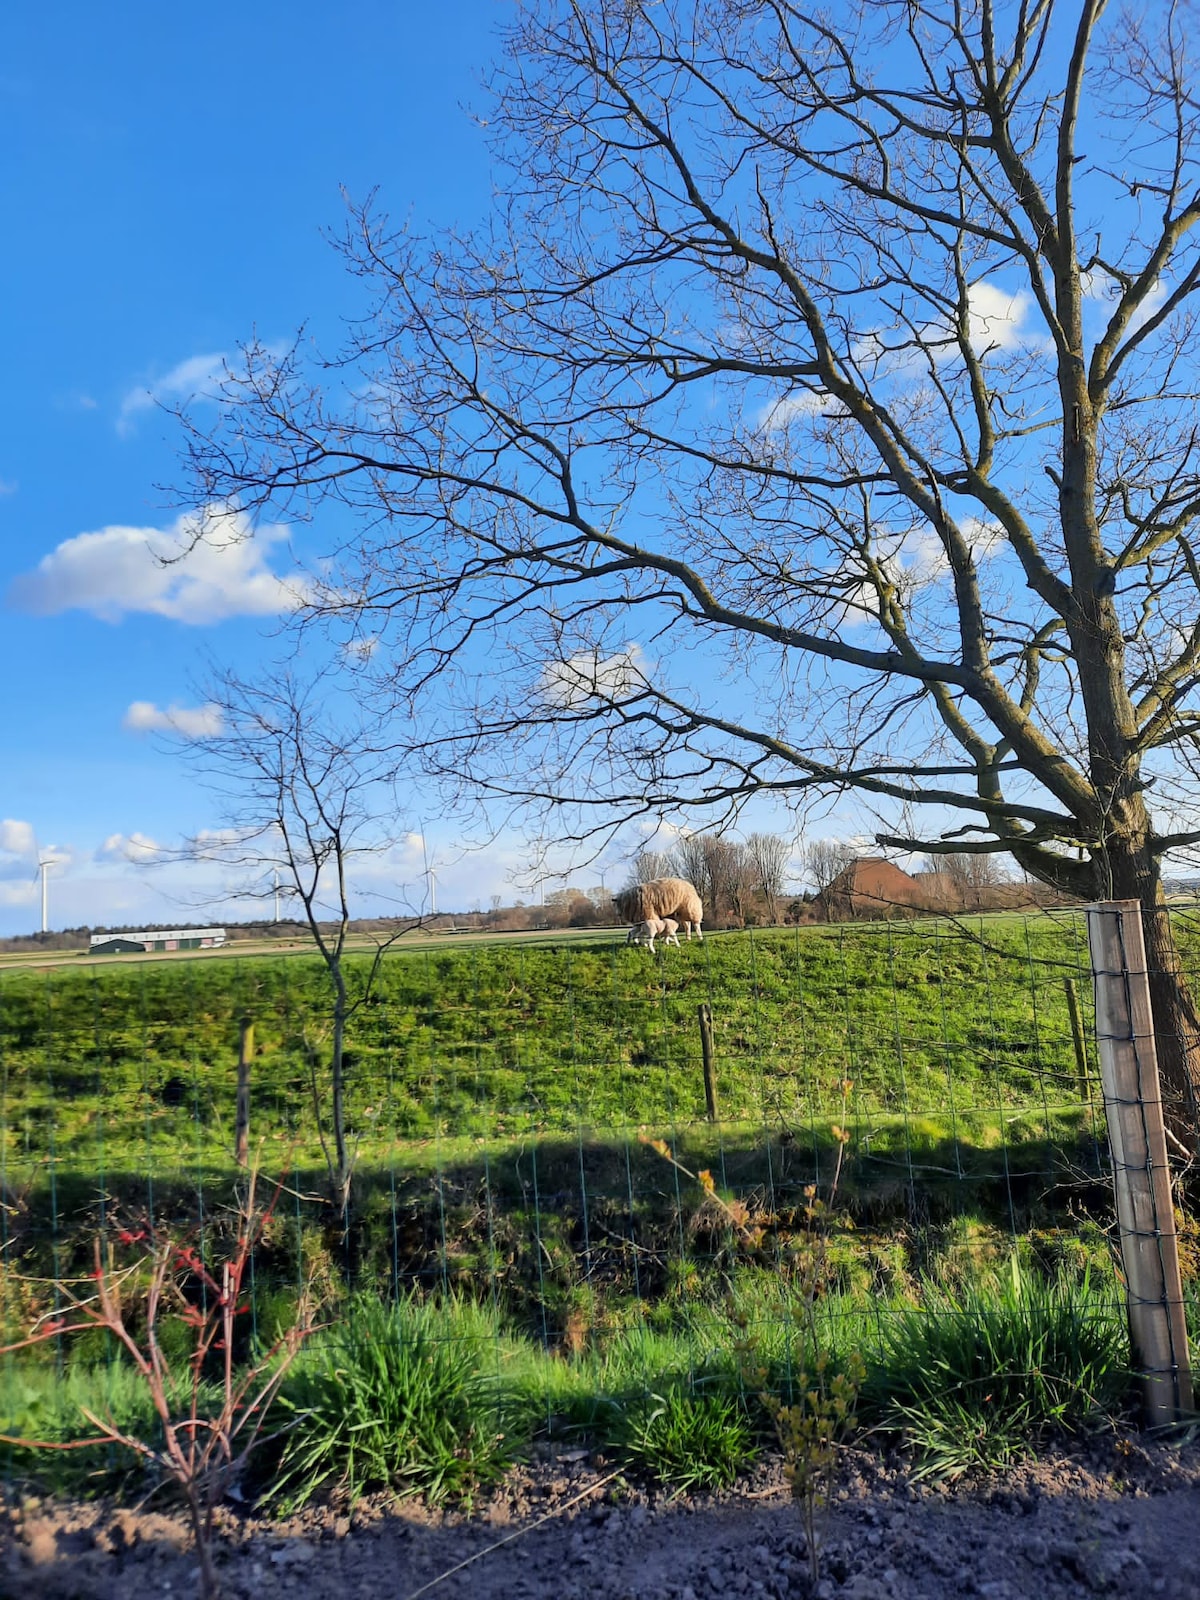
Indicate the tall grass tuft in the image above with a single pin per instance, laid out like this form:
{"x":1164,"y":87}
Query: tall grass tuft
{"x":392,"y":1400}
{"x":687,"y":1438}
{"x":977,"y":1379}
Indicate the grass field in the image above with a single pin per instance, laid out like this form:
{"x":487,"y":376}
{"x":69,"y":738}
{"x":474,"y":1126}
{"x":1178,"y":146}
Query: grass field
{"x":497,"y":1090}
{"x":130,"y":1067}
{"x":241,"y":949}
{"x":500,"y":1097}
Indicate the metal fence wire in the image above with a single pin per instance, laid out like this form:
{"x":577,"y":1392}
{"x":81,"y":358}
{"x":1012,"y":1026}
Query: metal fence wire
{"x":505,"y":1101}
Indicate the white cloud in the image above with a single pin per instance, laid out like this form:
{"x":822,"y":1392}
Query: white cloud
{"x":136,"y":847}
{"x":20,"y":857}
{"x":984,"y":535}
{"x":658,"y":833}
{"x":202,"y":569}
{"x":363,"y":648}
{"x":996,"y":318}
{"x":18,"y":839}
{"x":919,"y":559}
{"x":197,"y":378}
{"x":777,"y":414}
{"x":589,"y":676}
{"x":234,"y":845}
{"x":1102,"y":290}
{"x":190,"y":722}
{"x":910,"y":561}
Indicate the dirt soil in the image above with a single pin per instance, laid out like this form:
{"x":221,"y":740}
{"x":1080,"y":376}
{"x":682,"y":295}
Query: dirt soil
{"x":1122,"y":1517}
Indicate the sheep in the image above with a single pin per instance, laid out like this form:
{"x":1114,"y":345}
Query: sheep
{"x":662,"y":898}
{"x":654,"y":928}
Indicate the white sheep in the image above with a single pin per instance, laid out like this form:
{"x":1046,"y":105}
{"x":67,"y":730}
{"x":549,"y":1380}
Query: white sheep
{"x":654,"y":928}
{"x":661,"y":898}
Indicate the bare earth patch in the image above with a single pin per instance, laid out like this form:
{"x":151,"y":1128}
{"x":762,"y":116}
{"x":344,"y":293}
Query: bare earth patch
{"x":1119,"y":1518}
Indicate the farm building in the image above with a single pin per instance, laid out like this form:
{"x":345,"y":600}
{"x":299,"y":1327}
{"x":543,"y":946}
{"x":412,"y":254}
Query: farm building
{"x":871,"y":888}
{"x":111,"y":944}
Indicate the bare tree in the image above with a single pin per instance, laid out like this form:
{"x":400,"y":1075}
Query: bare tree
{"x":971,"y":876}
{"x":692,"y":862}
{"x":768,"y":857}
{"x":306,"y":789}
{"x":826,"y":859}
{"x":651,"y":864}
{"x":727,"y":873}
{"x":859,"y":352}
{"x":719,"y":868}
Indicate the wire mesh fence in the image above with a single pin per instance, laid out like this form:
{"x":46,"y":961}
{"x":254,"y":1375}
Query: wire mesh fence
{"x":531,"y":1131}
{"x":527,"y":1074}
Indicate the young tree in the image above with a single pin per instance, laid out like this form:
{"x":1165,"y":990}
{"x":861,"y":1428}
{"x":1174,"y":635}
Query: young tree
{"x":691,"y":862}
{"x":854,"y":353}
{"x":719,"y":868}
{"x":307,"y":788}
{"x":728,"y":873}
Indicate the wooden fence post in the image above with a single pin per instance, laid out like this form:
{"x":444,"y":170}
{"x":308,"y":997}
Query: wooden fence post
{"x":245,"y":1056}
{"x":704,"y":1013}
{"x":1078,"y":1038}
{"x":1141,"y":1176}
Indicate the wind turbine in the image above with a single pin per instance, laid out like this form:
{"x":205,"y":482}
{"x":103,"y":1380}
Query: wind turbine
{"x":430,"y":872}
{"x":43,"y":872}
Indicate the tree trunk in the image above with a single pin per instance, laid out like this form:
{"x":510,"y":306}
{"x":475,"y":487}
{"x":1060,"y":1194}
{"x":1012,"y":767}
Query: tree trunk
{"x":1134,"y":875}
{"x":210,"y":1584}
{"x":341,"y":1178}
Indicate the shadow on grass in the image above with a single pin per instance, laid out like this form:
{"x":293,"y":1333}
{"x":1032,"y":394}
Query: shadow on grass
{"x":547,"y":1220}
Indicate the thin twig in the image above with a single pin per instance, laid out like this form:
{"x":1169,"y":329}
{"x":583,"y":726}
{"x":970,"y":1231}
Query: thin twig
{"x":509,"y":1537}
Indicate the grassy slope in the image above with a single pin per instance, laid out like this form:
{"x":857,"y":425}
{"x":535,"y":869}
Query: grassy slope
{"x":497,"y":1091}
{"x":131,"y":1069}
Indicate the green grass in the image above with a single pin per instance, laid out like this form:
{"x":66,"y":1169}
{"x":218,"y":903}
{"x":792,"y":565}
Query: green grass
{"x":39,"y":1402}
{"x":979,"y":1379}
{"x":496,"y":1093}
{"x":688,"y":1438}
{"x":131,"y":1070}
{"x":393,"y":1398}
{"x":437,"y":1398}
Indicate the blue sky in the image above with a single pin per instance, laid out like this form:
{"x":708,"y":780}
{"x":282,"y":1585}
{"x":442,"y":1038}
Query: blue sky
{"x":168,"y":175}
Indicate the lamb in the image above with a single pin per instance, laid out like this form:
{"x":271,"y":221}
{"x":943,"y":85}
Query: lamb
{"x":662,"y":898}
{"x":654,"y":928}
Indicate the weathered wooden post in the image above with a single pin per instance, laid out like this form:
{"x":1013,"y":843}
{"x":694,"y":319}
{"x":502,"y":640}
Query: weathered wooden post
{"x":241,"y":1147}
{"x":1078,"y":1038}
{"x":1141,"y":1176}
{"x":704,"y":1013}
